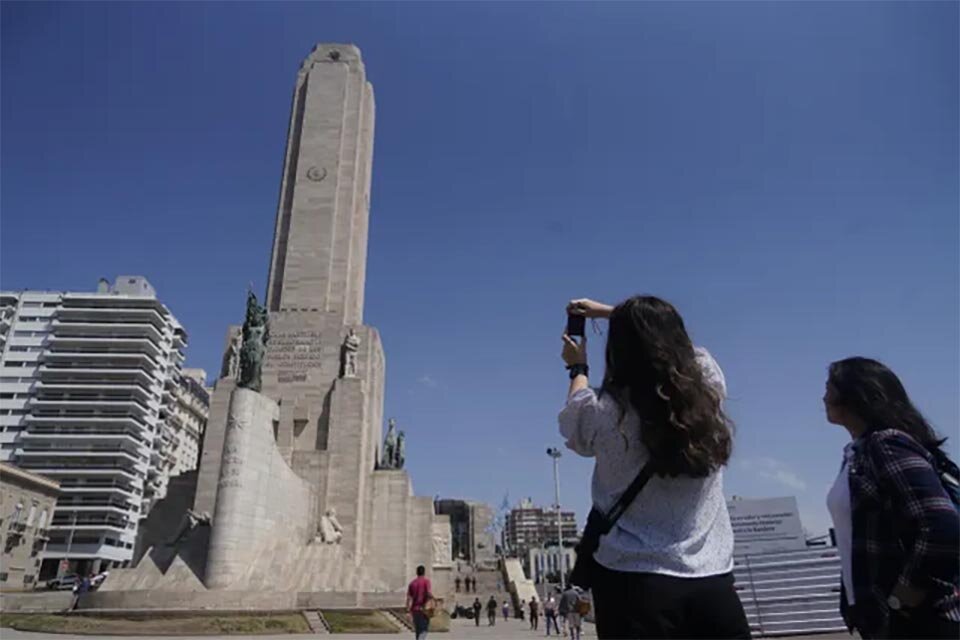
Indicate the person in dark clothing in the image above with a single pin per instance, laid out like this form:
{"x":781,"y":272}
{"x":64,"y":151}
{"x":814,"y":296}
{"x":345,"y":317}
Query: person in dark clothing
{"x":477,"y":608}
{"x":896,"y":523}
{"x":534,"y":613}
{"x":81,"y":587}
{"x":492,"y":611}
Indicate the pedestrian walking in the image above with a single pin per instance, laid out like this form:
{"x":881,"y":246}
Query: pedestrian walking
{"x":550,"y":614}
{"x":80,"y":587}
{"x":656,"y":425}
{"x":893,"y":509}
{"x":573,"y":601}
{"x":419,"y":602}
{"x":477,"y":608}
{"x":563,"y":607}
{"x":534,"y":613}
{"x":492,"y":611}
{"x":506,"y":610}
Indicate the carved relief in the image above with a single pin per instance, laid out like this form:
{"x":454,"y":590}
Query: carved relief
{"x":316,"y":174}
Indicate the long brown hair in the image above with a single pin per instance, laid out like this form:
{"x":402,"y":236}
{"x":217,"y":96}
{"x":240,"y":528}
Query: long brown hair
{"x":652,"y":368}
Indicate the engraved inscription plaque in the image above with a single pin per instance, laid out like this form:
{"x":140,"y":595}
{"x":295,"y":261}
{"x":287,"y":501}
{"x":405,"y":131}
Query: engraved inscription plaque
{"x":293,"y":353}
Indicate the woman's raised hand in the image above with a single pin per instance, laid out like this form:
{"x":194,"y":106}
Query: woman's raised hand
{"x":588,"y":308}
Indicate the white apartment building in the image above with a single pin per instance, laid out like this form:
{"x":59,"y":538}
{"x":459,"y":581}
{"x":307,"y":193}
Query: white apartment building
{"x":189,"y":420}
{"x":87,"y":381}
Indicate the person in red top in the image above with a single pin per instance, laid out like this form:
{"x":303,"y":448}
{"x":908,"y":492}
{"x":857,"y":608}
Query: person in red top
{"x":418,"y":593}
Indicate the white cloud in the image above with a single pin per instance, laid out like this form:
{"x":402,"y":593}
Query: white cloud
{"x":428,"y":381}
{"x":775,"y":470}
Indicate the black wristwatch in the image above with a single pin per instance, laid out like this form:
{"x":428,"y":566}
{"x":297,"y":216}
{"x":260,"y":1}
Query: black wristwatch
{"x":578,"y":369}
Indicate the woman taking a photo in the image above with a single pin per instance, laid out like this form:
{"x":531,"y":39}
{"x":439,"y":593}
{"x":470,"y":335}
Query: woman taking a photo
{"x":897,"y":528}
{"x":665,"y":567}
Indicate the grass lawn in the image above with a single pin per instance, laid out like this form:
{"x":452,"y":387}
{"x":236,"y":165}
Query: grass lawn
{"x":167,"y":624}
{"x":439,"y":623}
{"x":358,"y":621}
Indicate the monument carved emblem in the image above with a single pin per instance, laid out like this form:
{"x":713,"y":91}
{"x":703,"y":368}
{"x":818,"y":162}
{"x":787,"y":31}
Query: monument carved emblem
{"x":316,"y":174}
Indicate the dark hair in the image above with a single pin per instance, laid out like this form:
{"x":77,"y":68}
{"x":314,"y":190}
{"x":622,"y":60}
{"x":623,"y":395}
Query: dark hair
{"x":874,"y":393}
{"x":652,"y":368}
{"x":421,"y":570}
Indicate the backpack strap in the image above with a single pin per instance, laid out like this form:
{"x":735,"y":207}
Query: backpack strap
{"x":628,"y":496}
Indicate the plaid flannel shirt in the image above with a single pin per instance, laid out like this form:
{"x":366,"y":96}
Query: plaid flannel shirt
{"x":905,"y":530}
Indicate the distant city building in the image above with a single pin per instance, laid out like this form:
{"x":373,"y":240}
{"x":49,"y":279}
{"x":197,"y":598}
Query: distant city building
{"x":88,"y":381}
{"x":27,"y":501}
{"x":546,"y":563}
{"x":471,"y":530}
{"x":188,"y":419}
{"x":529,"y":527}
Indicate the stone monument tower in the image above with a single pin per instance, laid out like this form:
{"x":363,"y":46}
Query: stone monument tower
{"x":283,"y":469}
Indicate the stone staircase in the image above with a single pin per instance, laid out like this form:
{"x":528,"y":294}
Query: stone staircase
{"x":489,"y":583}
{"x":316,"y":621}
{"x":400,"y":621}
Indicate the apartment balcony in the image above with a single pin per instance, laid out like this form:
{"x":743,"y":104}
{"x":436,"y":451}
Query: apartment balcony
{"x":105,"y":344}
{"x":97,"y":376}
{"x":89,"y":360}
{"x":58,"y":446}
{"x":106,"y":408}
{"x":110,"y":314}
{"x":105,"y":395}
{"x":61,"y":468}
{"x":38,"y":422}
{"x":73,"y":487}
{"x":96,"y":438}
{"x":89,"y":525}
{"x":111,"y":330}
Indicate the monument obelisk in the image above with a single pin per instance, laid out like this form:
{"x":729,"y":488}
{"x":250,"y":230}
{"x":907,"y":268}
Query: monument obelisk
{"x":289,"y":479}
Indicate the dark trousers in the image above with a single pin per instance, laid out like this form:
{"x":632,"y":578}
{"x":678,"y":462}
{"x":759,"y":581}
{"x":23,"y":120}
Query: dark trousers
{"x":421,"y":624}
{"x":649,"y":605}
{"x":921,"y":625}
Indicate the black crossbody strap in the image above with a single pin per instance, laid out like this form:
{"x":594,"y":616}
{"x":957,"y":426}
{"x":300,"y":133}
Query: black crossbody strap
{"x":628,"y":496}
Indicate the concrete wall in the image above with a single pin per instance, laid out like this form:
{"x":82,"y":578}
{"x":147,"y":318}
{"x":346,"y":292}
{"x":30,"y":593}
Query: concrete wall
{"x":260,"y":498}
{"x":212,"y":451}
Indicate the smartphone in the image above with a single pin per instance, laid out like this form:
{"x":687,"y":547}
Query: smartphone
{"x":576,"y":325}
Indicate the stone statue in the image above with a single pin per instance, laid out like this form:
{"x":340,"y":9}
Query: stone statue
{"x":231,"y":359}
{"x":389,"y":446}
{"x":330,"y":530}
{"x":398,"y":458}
{"x":256,"y":334}
{"x":190,"y":521}
{"x":350,"y":348}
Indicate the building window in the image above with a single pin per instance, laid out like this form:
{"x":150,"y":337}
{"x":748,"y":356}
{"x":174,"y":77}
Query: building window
{"x":43,"y":519}
{"x":32,"y":515}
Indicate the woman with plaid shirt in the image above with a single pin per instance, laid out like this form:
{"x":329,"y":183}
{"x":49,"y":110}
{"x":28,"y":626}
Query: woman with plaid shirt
{"x":897,"y":528}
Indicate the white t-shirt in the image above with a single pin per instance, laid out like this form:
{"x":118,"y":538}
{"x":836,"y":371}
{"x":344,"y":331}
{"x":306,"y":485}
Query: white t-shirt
{"x":676,"y":526}
{"x":838,"y":503}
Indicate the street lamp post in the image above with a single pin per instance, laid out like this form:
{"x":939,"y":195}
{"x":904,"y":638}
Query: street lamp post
{"x":554,"y":453}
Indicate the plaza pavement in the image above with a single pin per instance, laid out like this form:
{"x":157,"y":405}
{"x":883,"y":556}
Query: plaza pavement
{"x":459,"y":630}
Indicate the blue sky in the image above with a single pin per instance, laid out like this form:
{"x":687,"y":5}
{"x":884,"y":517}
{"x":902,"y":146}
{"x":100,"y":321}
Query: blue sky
{"x":785,"y":173}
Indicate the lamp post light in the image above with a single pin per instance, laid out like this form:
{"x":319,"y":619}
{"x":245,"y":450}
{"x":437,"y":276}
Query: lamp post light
{"x":554,"y":453}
